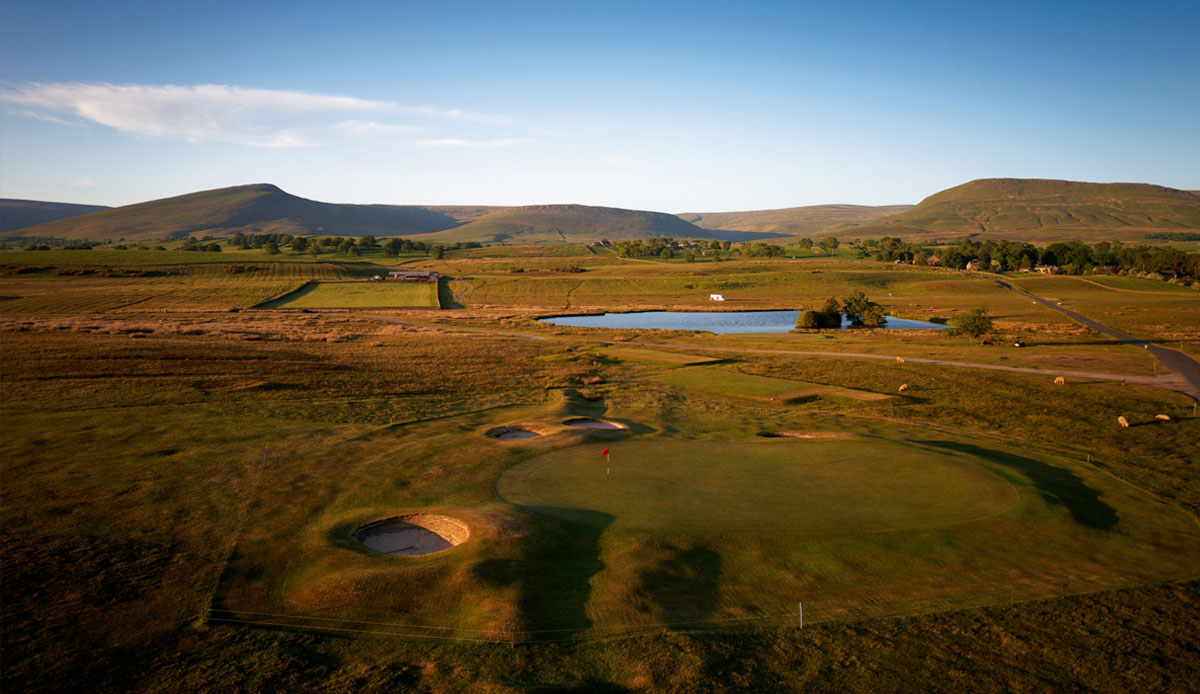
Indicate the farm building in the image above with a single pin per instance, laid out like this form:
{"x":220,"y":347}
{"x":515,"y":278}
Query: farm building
{"x":933,"y":260}
{"x":972,"y":264}
{"x":413,"y":276}
{"x":1046,"y":269}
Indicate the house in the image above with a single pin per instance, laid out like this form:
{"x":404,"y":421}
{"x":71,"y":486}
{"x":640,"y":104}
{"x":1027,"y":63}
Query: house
{"x":1046,"y":269}
{"x":716,"y":297}
{"x":933,"y":260}
{"x":413,"y":276}
{"x":972,"y":264}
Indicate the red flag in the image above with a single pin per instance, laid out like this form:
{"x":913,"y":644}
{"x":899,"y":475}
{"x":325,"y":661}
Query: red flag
{"x":604,"y":452}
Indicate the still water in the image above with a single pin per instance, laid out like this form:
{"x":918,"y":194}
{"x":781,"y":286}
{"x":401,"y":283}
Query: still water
{"x":715,"y":321}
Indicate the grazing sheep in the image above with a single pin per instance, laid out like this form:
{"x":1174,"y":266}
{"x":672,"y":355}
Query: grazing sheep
{"x":1123,"y":422}
{"x":903,"y":387}
{"x":1060,"y":381}
{"x":1164,"y":417}
{"x":899,"y":360}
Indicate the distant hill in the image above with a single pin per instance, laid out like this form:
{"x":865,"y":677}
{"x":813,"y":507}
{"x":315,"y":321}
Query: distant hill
{"x":258,"y":208}
{"x":579,"y":224}
{"x":792,"y":221}
{"x":1044,"y":210}
{"x":264,"y":208}
{"x":15,"y":214}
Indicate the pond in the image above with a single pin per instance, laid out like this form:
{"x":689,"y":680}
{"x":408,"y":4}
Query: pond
{"x":715,"y":321}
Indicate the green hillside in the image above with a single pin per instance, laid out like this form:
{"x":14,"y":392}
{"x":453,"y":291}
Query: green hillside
{"x":17,"y":214}
{"x":258,"y":208}
{"x":792,"y":221}
{"x":579,"y":224}
{"x":1045,"y":210}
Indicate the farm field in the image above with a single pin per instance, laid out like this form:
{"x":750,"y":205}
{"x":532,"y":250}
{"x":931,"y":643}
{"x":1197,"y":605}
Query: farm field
{"x":243,"y":449}
{"x":359,"y":295}
{"x":1155,"y":310}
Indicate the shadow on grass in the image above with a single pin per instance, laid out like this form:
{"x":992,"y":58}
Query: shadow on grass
{"x":1057,"y":485}
{"x":683,"y":587}
{"x":555,"y":571}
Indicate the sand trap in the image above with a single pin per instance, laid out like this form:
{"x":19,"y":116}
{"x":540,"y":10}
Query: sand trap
{"x":586,"y":423}
{"x":508,"y":433}
{"x":413,"y":535}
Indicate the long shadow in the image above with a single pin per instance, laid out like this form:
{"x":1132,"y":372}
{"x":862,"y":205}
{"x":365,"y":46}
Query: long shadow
{"x":1057,"y":485}
{"x":555,"y":571}
{"x":682,"y":588}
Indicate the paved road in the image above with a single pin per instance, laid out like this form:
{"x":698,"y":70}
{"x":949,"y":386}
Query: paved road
{"x":1183,"y":365}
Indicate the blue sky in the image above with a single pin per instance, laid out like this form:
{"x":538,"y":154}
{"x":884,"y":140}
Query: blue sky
{"x":666,"y":106}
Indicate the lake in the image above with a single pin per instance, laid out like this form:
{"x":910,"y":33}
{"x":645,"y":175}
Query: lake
{"x":715,"y":321}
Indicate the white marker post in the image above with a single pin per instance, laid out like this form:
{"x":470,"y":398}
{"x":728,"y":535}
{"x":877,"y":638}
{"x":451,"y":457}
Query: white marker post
{"x":801,"y":614}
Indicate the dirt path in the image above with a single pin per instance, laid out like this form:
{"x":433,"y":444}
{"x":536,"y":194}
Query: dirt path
{"x":1173,"y":381}
{"x":1169,"y":381}
{"x":467,"y":288}
{"x":1094,"y":283}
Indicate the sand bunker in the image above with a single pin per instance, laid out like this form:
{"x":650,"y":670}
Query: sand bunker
{"x":512,"y":433}
{"x":586,"y":423}
{"x":413,"y":535}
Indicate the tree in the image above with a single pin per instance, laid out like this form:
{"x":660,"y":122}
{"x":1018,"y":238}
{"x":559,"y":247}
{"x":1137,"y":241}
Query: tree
{"x":392,"y":248}
{"x":829,"y":316}
{"x":726,"y":245}
{"x":439,"y":251}
{"x":272,"y":248}
{"x":974,"y":323}
{"x":857,"y":307}
{"x":666,"y":254}
{"x":300,"y":244}
{"x":805,"y":244}
{"x":809,"y":320}
{"x":830,"y":243}
{"x":689,"y":257}
{"x":367,"y":241}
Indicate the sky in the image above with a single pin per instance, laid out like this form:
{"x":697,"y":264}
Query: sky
{"x":669,"y":106}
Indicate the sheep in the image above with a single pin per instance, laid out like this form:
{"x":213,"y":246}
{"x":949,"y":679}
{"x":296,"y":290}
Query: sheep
{"x":899,"y":360}
{"x":1164,"y":417}
{"x":903,"y":387}
{"x":1060,"y":381}
{"x":1123,"y":422}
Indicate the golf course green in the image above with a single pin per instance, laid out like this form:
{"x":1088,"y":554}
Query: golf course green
{"x":817,"y":486}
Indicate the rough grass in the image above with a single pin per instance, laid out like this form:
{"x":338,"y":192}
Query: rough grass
{"x":132,"y":452}
{"x":731,"y":383}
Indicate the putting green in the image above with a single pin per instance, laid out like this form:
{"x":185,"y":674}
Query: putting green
{"x":780,"y":486}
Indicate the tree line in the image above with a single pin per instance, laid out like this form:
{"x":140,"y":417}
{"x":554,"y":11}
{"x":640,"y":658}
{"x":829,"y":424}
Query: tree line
{"x":1071,"y":257}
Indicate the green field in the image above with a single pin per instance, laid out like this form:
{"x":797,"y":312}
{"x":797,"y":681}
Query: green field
{"x":359,"y":295}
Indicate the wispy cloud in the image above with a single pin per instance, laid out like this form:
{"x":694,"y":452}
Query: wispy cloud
{"x":370,"y":128}
{"x":222,"y":113}
{"x":474,"y":144}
